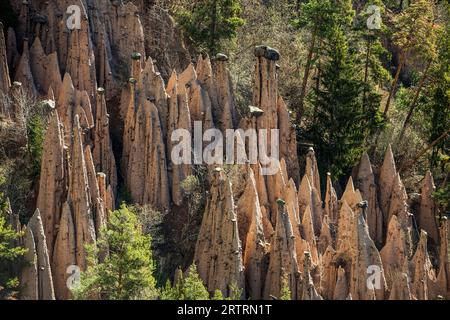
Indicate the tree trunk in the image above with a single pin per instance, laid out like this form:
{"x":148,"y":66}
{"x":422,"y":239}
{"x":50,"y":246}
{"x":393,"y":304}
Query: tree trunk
{"x":366,"y":72}
{"x":306,"y":74}
{"x":421,"y":153}
{"x":212,"y":44}
{"x":414,"y":102}
{"x":318,"y":75}
{"x":394,"y":84}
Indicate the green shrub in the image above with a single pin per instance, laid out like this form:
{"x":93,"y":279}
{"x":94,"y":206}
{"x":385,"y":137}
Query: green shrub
{"x":189,"y":288}
{"x":36,"y":136}
{"x":285,"y":290}
{"x":10,"y":252}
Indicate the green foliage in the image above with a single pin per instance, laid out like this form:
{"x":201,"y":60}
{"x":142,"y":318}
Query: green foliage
{"x":431,"y":117}
{"x":169,"y":293}
{"x":414,"y":29}
{"x":209,"y":22}
{"x":368,"y":48}
{"x":442,"y":198}
{"x":342,"y":106}
{"x":3,"y":202}
{"x":36,"y":135}
{"x":195,"y":188}
{"x":235,"y":292}
{"x":152,"y":224}
{"x":189,"y":288}
{"x":407,"y":148}
{"x":218,"y":295}
{"x":181,"y":225}
{"x":127,"y":270}
{"x":267,"y":24}
{"x":16,"y":185}
{"x":396,"y":5}
{"x":285,"y":290}
{"x":342,"y":123}
{"x":320,"y":16}
{"x":21,"y":149}
{"x":440,"y":93}
{"x":193,"y":288}
{"x":190,"y":184}
{"x":10,"y":252}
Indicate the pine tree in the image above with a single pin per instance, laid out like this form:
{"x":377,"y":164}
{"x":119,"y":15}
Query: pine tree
{"x":342,"y":123}
{"x":370,"y":51}
{"x":441,"y":88}
{"x":319,"y":17}
{"x":414,"y":35}
{"x":169,"y":292}
{"x":193,"y":288}
{"x":10,"y":253}
{"x":235,"y":292}
{"x":209,"y":22}
{"x":439,"y":113}
{"x":186,"y":288}
{"x":127,"y":270}
{"x":218,"y":295}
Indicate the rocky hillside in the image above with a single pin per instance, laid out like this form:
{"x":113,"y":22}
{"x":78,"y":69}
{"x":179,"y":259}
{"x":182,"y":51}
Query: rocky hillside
{"x":119,"y":87}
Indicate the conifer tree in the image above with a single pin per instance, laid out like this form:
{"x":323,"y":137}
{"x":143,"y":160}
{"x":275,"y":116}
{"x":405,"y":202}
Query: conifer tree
{"x":342,"y":124}
{"x":209,"y":22}
{"x":235,"y":292}
{"x":193,"y":287}
{"x":439,"y":102}
{"x":366,"y":37}
{"x":127,"y":270}
{"x":441,"y":114}
{"x":187,"y":288}
{"x":319,"y":17}
{"x":218,"y":295}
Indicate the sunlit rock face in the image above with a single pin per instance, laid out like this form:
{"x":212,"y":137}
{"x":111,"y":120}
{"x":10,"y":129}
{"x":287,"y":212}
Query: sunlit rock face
{"x":218,"y":253}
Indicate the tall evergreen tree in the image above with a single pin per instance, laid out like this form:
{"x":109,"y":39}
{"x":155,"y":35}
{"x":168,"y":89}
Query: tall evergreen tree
{"x":342,"y":124}
{"x":127,"y":270}
{"x":209,"y":22}
{"x":319,"y":17}
{"x":440,"y":93}
{"x":370,"y":52}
